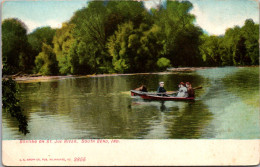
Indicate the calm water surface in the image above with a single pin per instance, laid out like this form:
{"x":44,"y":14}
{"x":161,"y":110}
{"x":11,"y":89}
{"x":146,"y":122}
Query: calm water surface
{"x":101,"y":107}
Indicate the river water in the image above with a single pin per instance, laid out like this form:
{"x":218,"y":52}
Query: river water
{"x":227,"y":107}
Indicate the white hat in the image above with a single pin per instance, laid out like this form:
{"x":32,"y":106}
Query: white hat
{"x":161,"y":82}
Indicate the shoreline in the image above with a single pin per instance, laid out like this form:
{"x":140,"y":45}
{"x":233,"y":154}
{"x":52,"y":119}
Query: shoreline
{"x":30,"y":78}
{"x":42,"y":78}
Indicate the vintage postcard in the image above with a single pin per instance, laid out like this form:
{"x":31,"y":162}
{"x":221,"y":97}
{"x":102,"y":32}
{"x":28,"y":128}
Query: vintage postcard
{"x":154,"y":82}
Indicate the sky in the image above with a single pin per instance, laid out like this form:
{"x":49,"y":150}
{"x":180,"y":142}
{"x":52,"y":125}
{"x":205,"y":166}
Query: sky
{"x":41,"y":13}
{"x":213,"y":16}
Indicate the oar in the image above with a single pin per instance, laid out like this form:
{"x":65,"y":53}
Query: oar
{"x":172,"y":92}
{"x":199,"y":87}
{"x":169,"y":92}
{"x":155,"y":93}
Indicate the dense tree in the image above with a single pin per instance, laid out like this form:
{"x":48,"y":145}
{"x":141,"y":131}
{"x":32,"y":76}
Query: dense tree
{"x":135,"y":50}
{"x":96,"y":23}
{"x":210,"y":50}
{"x":186,"y":49}
{"x":239,"y":46}
{"x":250,"y":32}
{"x":117,"y":47}
{"x":46,"y":62}
{"x":90,"y":32}
{"x":38,"y":37}
{"x":16,"y":49}
{"x":63,"y":41}
{"x":181,"y":37}
{"x":123,"y":36}
{"x":239,"y":54}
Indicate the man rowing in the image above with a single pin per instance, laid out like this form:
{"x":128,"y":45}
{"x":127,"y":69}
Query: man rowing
{"x":161,"y":91}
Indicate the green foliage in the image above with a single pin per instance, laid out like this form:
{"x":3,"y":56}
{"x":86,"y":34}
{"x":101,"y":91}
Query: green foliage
{"x":135,"y":50}
{"x":239,"y":54}
{"x":38,"y":37}
{"x":95,"y":25}
{"x":90,"y":33}
{"x":12,"y":105}
{"x":251,"y":35}
{"x":63,"y":41}
{"x":180,"y":37}
{"x":117,"y":47}
{"x":46,"y":62}
{"x":163,"y":63}
{"x":16,"y":49}
{"x":123,"y":36}
{"x":210,"y":50}
{"x":239,"y":46}
{"x":186,"y":48}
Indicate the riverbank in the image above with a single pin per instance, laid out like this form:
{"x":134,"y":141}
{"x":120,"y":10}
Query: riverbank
{"x":29,"y":78}
{"x":40,"y":78}
{"x":183,"y":69}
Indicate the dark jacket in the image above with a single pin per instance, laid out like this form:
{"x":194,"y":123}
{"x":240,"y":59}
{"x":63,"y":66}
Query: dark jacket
{"x":161,"y":90}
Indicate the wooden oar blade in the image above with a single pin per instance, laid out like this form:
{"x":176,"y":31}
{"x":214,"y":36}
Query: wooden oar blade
{"x":200,"y":87}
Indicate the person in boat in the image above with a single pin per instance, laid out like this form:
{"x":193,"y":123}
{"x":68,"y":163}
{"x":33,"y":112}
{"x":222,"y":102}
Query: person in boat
{"x":142,"y":88}
{"x":183,"y":91}
{"x":190,"y":90}
{"x":161,"y":91}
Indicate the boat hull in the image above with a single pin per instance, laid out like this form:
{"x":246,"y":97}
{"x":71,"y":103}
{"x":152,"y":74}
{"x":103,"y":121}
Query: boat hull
{"x":147,"y":96}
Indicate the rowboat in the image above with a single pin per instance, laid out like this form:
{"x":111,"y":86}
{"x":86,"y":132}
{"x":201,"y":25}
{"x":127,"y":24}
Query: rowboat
{"x":154,"y":96}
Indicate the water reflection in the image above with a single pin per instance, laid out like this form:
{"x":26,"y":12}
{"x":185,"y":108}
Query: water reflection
{"x":190,"y":121}
{"x":102,"y":107}
{"x":233,"y":98}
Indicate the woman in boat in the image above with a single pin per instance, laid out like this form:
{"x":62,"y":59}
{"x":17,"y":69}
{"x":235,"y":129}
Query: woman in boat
{"x":142,"y":88}
{"x":161,"y":91}
{"x":190,"y":90}
{"x":183,"y":91}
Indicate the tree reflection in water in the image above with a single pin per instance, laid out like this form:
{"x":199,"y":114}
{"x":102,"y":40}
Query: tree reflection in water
{"x":191,"y":121}
{"x":99,"y":108}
